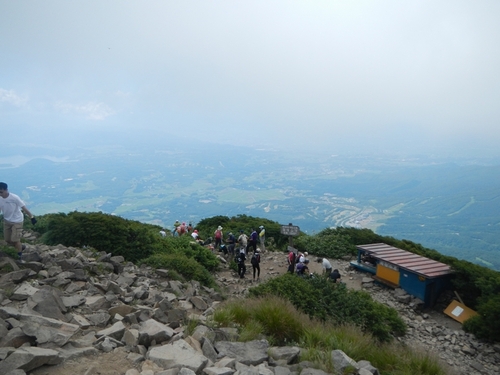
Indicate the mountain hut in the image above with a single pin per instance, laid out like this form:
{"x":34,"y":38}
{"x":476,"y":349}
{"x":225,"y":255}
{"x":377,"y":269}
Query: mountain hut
{"x":419,"y":276}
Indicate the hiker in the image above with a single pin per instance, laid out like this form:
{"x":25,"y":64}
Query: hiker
{"x":176,"y":225}
{"x":252,"y":243}
{"x":335,"y":275}
{"x":181,"y":229}
{"x":302,"y":268}
{"x":231,"y":243}
{"x":327,"y":267}
{"x":196,"y":237}
{"x":190,"y":228}
{"x":13,"y":210}
{"x":218,"y":238}
{"x":240,"y":259}
{"x":291,"y":258}
{"x":262,"y":238}
{"x":301,"y":257}
{"x":242,"y":240}
{"x":163,"y":233}
{"x":256,"y":264}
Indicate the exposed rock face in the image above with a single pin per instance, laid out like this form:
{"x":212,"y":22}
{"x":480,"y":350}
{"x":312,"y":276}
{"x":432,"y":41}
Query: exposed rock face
{"x":67,"y":304}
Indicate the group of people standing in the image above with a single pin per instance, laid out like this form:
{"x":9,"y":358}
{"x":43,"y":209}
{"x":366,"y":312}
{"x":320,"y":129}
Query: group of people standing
{"x":298,"y":264}
{"x":241,"y":247}
{"x":247,"y":245}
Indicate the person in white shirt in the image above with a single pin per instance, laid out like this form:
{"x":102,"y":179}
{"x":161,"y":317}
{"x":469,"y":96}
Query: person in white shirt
{"x":327,"y":266}
{"x":13,"y":210}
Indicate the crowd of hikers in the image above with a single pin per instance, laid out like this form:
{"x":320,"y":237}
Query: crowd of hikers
{"x":245,"y":246}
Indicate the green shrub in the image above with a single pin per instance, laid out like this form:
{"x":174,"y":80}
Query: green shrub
{"x":284,"y":325}
{"x":486,"y":325}
{"x":330,"y":243}
{"x":321,"y":299}
{"x":10,"y":251}
{"x":103,"y":232}
{"x":185,"y":245}
{"x":234,"y":224}
{"x":189,"y":268}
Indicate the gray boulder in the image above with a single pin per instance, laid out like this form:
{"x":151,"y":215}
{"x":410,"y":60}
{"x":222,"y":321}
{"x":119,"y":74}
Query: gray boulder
{"x":288,"y":354}
{"x":47,"y":330}
{"x":179,"y":354}
{"x":29,"y":358}
{"x":151,"y":330}
{"x":48,"y":303}
{"x":342,"y":361}
{"x":248,"y":353}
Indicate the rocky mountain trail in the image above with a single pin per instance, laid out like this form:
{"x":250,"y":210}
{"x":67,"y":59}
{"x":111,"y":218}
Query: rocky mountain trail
{"x":67,"y":311}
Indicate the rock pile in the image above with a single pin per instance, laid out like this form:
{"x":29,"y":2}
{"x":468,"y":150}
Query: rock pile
{"x":65,"y":303}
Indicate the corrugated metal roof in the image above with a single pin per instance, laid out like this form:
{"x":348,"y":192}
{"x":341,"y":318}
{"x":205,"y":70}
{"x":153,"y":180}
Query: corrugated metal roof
{"x":405,"y":259}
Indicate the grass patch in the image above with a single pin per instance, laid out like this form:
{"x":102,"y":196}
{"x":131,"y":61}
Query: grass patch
{"x":282,"y":324}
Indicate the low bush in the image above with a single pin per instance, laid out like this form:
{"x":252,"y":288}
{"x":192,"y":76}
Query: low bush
{"x":271,"y":316}
{"x":330,"y":243}
{"x":189,"y":268}
{"x":282,"y":324}
{"x":131,"y":239}
{"x":186,"y":246}
{"x":320,"y":298}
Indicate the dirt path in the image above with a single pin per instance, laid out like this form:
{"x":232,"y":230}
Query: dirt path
{"x":274,"y":264}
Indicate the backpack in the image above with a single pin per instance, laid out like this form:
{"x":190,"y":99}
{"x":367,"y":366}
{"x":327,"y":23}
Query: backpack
{"x":240,"y":257}
{"x":218,"y":234}
{"x":255,"y":259}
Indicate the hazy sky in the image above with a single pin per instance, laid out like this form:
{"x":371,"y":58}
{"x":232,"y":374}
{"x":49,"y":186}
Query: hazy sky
{"x":420,"y":76}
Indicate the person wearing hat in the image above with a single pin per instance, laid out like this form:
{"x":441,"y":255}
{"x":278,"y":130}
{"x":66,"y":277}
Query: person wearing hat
{"x":218,"y":238}
{"x":240,"y":260}
{"x":243,"y":240}
{"x":195,"y":234}
{"x":262,"y":238}
{"x":231,"y":243}
{"x":302,"y":257}
{"x":176,"y":225}
{"x":256,"y":264}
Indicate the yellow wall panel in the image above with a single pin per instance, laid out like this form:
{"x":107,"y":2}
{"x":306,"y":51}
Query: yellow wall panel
{"x":388,"y":274}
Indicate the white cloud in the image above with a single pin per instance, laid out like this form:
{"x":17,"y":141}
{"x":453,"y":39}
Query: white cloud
{"x":9,"y":96}
{"x":91,"y":110}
